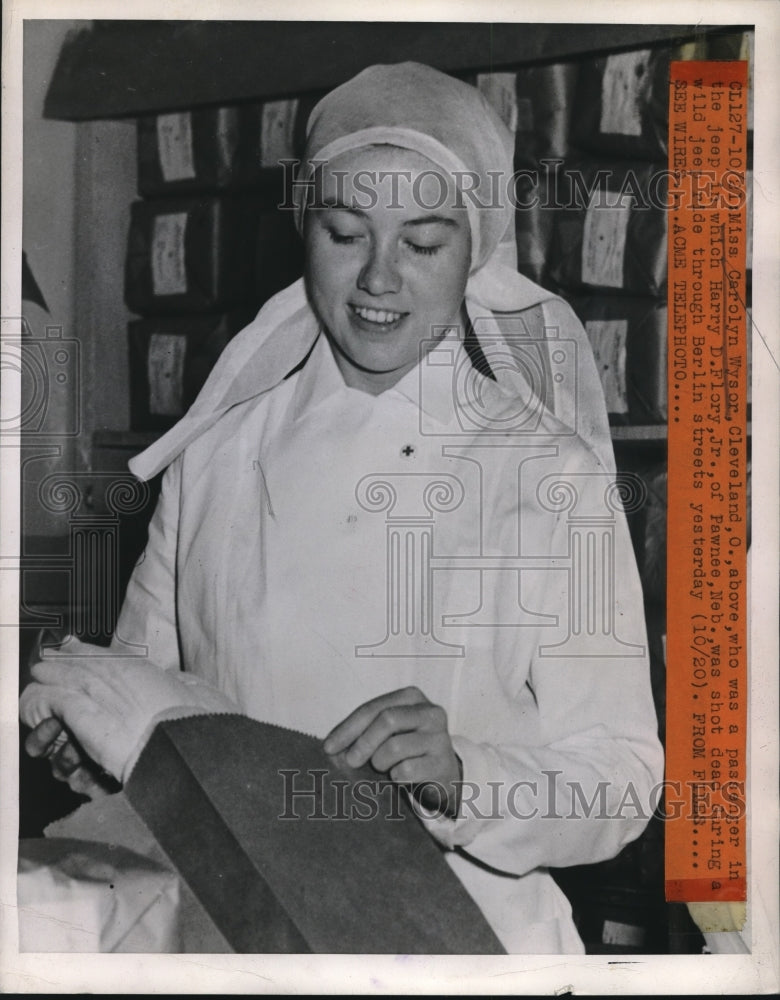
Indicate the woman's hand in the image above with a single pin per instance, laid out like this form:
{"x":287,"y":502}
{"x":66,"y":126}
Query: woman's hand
{"x":404,"y":735}
{"x":68,"y":761}
{"x":107,"y":702}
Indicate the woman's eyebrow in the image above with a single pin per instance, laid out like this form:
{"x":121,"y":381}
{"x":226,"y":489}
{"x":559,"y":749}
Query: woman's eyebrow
{"x":427,"y":220}
{"x":423,"y":220}
{"x":339,"y":206}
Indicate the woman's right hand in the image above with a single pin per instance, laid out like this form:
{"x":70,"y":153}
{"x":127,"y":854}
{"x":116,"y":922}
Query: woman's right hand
{"x":107,"y":703}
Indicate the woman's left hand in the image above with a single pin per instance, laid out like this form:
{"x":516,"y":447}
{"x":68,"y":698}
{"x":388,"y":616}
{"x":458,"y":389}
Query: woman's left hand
{"x":404,"y":735}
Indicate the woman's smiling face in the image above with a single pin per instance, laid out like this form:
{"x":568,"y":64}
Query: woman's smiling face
{"x":388,"y":252}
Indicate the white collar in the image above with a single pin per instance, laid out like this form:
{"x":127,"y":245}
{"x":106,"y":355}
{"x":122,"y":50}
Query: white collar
{"x":431,"y":386}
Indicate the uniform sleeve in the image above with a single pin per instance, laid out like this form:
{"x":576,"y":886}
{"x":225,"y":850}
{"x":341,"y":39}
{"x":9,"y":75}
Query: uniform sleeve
{"x":584,"y":785}
{"x":147,"y":622}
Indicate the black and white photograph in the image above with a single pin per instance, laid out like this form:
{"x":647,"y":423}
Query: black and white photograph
{"x":341,"y":446}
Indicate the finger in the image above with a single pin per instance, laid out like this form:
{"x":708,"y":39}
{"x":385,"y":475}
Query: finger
{"x":35,"y":705}
{"x":432,"y":779}
{"x":51,"y":740}
{"x":82,"y":783}
{"x":434,"y":794}
{"x":65,"y":774}
{"x":65,"y":672}
{"x":86,"y":782}
{"x":356,"y":723}
{"x":390,"y":722}
{"x":418,"y":772}
{"x":66,"y":760}
{"x":44,"y":737}
{"x":400,"y":747}
{"x":82,"y":681}
{"x":79,"y":779}
{"x":42,"y":701}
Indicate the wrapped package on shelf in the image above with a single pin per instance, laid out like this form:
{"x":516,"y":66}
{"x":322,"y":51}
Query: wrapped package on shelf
{"x":629,"y":341}
{"x":535,"y":102}
{"x":500,"y":91}
{"x":214,"y":149}
{"x":534,"y":221}
{"x":545,"y":101}
{"x":80,"y":896}
{"x":277,"y":131}
{"x":200,"y":254}
{"x":622,"y":101}
{"x":610,"y":234}
{"x":541,"y":144}
{"x":170,"y":359}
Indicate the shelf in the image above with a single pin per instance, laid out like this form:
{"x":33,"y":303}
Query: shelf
{"x":132,"y":440}
{"x":651,"y":433}
{"x":128,"y":68}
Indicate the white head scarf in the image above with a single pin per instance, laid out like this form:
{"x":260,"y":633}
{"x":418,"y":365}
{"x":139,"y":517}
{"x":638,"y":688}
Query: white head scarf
{"x":413,"y":107}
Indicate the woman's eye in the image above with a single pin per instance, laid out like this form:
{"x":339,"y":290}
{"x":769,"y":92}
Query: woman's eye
{"x":341,"y":238}
{"x":427,"y":251}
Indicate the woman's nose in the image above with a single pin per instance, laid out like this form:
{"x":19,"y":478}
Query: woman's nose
{"x":379,"y":274}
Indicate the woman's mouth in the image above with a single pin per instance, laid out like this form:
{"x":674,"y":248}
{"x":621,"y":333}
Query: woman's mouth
{"x":377,"y":318}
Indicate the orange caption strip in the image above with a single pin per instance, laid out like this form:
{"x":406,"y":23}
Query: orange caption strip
{"x":707,"y":613}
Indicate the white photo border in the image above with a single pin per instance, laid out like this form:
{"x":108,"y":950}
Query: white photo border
{"x":513,"y":974}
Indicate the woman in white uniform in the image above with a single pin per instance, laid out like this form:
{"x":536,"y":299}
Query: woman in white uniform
{"x":389,"y":520}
